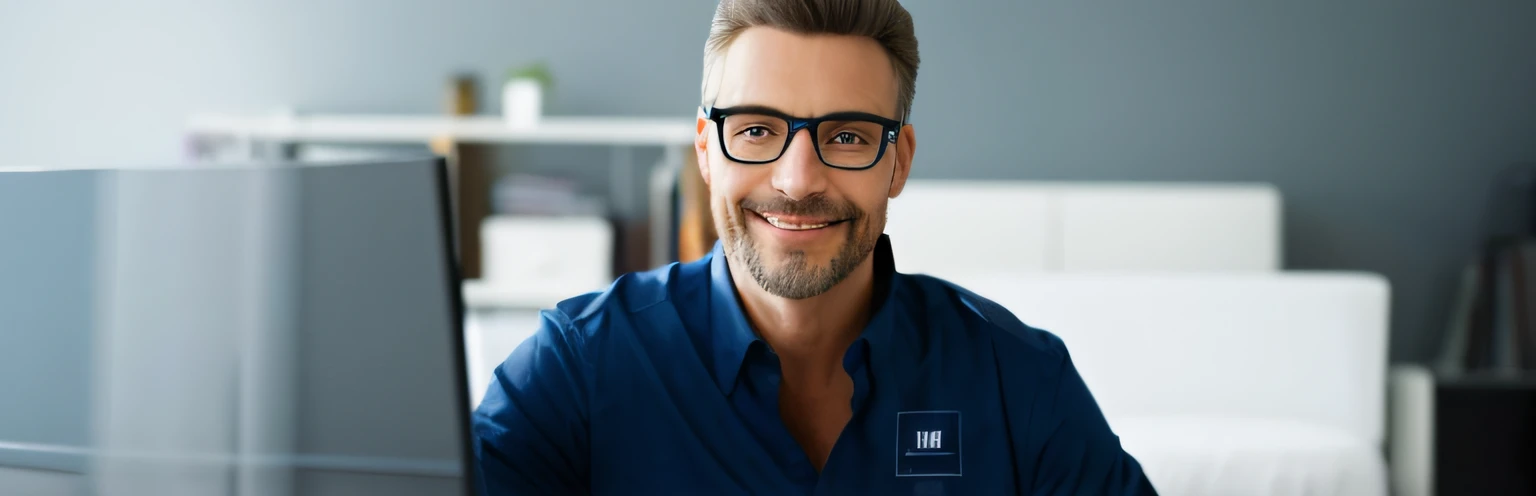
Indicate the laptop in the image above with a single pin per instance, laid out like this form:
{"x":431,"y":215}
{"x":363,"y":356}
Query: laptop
{"x":250,"y":330}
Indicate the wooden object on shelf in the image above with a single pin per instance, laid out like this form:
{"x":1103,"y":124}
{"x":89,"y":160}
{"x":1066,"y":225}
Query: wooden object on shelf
{"x":696,"y":225}
{"x":461,"y":96}
{"x":469,"y":177}
{"x":472,"y":203}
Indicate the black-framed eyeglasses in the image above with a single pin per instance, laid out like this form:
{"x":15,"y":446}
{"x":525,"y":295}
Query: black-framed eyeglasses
{"x":844,"y":140}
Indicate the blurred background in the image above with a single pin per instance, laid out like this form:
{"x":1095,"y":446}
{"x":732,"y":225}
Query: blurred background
{"x":1381,"y":123}
{"x":1372,"y":133}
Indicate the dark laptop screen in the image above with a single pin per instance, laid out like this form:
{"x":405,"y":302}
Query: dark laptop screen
{"x":231,"y":330}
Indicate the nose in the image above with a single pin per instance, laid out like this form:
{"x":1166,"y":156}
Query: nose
{"x":799,"y":174}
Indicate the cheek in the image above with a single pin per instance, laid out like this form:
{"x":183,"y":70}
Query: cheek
{"x":866,"y":191}
{"x":726,"y":190}
{"x":877,"y":217}
{"x":732,"y":182}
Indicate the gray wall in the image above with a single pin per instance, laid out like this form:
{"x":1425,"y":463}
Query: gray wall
{"x":1381,"y":122}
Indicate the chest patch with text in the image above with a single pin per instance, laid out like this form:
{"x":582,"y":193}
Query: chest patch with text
{"x":928,"y":443}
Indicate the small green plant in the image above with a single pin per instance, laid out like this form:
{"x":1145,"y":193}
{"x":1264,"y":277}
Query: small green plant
{"x":537,"y":71}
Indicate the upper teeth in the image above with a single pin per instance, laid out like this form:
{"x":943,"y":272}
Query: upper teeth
{"x":794,"y":227}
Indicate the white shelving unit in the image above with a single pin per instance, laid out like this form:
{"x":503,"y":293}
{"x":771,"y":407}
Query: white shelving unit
{"x":602,"y":131}
{"x":245,"y":137}
{"x":478,"y":294}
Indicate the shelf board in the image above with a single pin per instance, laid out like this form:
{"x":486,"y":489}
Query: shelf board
{"x":479,"y":295}
{"x":633,"y":131}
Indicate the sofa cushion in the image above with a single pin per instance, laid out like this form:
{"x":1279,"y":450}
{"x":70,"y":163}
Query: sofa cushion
{"x":1192,"y":456}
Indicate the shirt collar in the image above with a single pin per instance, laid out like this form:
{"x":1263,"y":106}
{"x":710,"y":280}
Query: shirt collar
{"x":733,"y":335}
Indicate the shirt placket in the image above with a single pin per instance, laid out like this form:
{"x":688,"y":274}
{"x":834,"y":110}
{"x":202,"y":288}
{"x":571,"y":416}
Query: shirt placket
{"x":766,"y":374}
{"x":856,"y":363}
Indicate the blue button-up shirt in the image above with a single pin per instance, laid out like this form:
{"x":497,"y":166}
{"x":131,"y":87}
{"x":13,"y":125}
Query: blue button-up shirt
{"x":658,"y":385}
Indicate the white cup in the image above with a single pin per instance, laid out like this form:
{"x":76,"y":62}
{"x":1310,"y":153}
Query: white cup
{"x":522,"y":102}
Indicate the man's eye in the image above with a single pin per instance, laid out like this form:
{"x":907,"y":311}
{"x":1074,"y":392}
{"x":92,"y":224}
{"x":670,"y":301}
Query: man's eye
{"x":755,"y":132}
{"x":847,"y":138}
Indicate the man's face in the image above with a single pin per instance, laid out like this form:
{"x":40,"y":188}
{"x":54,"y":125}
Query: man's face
{"x":796,"y":225}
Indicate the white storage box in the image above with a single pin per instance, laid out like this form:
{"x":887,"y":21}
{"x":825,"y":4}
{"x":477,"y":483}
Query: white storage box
{"x":567,"y":256}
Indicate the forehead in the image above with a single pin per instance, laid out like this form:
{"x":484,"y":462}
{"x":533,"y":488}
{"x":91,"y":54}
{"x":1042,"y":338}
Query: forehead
{"x":807,"y":75}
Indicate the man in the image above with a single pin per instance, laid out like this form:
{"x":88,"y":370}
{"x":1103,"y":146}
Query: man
{"x":794,"y":359}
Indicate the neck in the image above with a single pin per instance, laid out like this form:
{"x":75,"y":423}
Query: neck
{"x":810,"y":335}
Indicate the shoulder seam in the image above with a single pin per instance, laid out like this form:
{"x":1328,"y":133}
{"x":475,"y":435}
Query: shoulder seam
{"x":1002,"y":320}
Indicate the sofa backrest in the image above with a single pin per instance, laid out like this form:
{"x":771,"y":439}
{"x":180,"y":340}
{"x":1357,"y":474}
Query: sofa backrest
{"x":1297,"y":346}
{"x":1085,"y":226}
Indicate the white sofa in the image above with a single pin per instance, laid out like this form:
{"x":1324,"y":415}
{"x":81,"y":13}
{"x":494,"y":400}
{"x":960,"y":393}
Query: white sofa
{"x":1221,"y":373}
{"x":1085,"y":226}
{"x":1224,"y":384}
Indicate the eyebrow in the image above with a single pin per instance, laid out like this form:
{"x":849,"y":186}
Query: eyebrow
{"x":766,"y":110}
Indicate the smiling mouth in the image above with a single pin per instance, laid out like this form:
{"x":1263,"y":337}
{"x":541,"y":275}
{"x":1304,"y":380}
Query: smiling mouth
{"x":796,"y":224}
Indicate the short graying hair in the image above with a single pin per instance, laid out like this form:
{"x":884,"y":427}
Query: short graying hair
{"x":886,"y":21}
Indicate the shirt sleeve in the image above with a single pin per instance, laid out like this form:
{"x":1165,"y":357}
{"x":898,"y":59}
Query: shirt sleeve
{"x":530,"y":431}
{"x":1069,"y":448}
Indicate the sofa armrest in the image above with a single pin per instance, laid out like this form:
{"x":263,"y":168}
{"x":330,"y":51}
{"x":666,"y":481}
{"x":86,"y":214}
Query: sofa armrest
{"x":1412,"y":449}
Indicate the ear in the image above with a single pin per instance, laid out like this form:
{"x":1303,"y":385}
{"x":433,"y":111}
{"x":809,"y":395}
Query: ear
{"x":906,"y":145}
{"x":701,"y":147}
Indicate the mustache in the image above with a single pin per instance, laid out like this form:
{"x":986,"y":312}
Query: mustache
{"x":814,"y":206}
